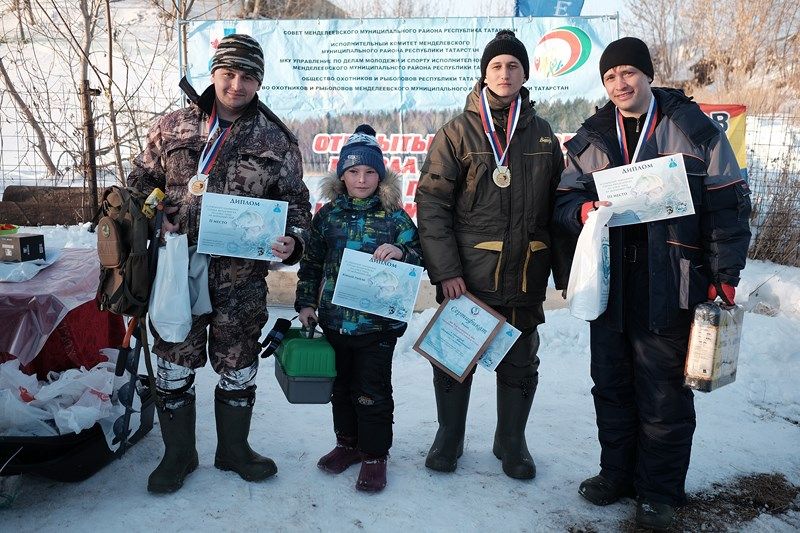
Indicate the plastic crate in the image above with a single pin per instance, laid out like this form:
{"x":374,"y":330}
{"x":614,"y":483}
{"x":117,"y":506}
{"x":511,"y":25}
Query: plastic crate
{"x":304,"y":357}
{"x":304,"y":389}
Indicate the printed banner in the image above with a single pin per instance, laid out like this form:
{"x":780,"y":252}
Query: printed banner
{"x":405,"y":77}
{"x":548,"y":8}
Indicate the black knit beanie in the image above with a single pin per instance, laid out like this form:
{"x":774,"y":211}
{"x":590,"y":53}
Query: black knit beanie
{"x":240,"y":52}
{"x":361,"y":148}
{"x":505,"y":42}
{"x":627,"y":51}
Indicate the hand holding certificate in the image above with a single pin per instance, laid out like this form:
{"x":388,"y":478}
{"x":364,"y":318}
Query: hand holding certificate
{"x":384,"y":288}
{"x":645,"y":191}
{"x":458,"y":334}
{"x":240,"y":226}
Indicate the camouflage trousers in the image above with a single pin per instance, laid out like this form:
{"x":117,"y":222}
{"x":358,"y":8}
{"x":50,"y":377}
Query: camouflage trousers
{"x":229,"y":334}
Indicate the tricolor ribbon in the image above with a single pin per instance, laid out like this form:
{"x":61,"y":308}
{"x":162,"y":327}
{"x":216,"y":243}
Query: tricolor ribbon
{"x":647,"y":131}
{"x":212,"y":149}
{"x":500,"y":155}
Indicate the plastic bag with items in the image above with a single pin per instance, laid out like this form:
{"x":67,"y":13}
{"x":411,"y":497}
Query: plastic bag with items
{"x":590,"y":276}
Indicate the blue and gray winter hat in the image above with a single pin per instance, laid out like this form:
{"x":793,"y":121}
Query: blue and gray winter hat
{"x":240,"y":52}
{"x":361,"y":149}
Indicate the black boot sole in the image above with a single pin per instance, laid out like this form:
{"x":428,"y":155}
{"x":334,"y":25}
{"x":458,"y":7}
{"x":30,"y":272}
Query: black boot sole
{"x":228,"y":467}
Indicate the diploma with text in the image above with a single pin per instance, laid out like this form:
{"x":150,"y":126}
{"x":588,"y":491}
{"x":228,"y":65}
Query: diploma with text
{"x":384,"y":288}
{"x":650,"y":190}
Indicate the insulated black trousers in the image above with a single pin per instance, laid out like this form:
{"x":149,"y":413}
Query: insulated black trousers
{"x":362,"y":401}
{"x":645,"y":416}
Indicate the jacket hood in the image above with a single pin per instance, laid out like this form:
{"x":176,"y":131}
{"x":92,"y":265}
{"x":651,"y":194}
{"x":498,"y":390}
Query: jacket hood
{"x":389,"y":190}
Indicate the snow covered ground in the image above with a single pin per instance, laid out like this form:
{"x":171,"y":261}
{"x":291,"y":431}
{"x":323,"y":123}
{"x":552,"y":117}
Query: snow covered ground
{"x":750,"y":426}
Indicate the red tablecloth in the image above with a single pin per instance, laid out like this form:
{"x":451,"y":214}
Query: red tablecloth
{"x":51,"y":322}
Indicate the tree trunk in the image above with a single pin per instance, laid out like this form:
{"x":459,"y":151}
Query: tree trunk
{"x":112,"y":115}
{"x":41,"y":144}
{"x":90,"y":155}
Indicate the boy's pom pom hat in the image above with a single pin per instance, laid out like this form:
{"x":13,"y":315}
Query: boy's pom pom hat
{"x":361,"y":149}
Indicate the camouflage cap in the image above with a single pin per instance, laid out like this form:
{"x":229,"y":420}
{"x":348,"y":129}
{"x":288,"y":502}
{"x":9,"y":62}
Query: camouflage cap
{"x":241,"y":52}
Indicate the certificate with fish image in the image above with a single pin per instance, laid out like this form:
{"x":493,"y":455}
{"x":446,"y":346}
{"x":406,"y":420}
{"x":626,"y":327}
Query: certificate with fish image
{"x":458,"y":334}
{"x":656,"y":189}
{"x":240,"y":226}
{"x":384,"y":288}
{"x":499,"y":347}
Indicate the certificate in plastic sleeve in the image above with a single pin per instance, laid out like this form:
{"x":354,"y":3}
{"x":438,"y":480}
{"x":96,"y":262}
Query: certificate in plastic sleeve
{"x":499,"y":347}
{"x":645,"y":191}
{"x":384,"y":288}
{"x":240,"y":226}
{"x":458,"y":334}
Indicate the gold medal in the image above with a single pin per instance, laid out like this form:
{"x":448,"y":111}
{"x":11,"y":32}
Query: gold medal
{"x":502,"y":176}
{"x":197,"y":185}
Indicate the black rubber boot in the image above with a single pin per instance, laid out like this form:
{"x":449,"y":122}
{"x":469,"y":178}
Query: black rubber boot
{"x":233,"y":451}
{"x":653,"y":515}
{"x":180,"y":454}
{"x":513,"y":408}
{"x":602,"y":491}
{"x":452,"y":401}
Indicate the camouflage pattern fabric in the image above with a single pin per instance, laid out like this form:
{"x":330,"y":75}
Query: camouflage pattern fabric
{"x":239,"y":52}
{"x":360,"y":224}
{"x":240,"y":311}
{"x":257,"y":160}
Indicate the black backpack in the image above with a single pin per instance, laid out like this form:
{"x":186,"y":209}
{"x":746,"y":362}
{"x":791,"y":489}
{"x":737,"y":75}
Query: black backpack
{"x":126,"y":272}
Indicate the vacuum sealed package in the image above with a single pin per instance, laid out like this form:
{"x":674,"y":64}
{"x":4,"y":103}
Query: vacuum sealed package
{"x":714,"y":341}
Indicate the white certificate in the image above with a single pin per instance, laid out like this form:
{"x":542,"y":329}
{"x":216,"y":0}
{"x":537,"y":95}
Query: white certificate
{"x":458,"y":334}
{"x":499,"y":347}
{"x":384,"y":288}
{"x":656,"y":189}
{"x":240,"y":226}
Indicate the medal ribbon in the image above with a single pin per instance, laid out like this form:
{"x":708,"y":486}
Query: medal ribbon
{"x":647,"y":131}
{"x":500,"y":155}
{"x":211,"y":150}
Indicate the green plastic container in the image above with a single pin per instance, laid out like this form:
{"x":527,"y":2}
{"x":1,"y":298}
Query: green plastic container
{"x":309,"y":358}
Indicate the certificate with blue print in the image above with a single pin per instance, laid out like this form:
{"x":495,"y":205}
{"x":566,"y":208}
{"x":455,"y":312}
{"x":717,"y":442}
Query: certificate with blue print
{"x":645,"y":191}
{"x":240,"y":226}
{"x":384,"y":288}
{"x":458,"y":334}
{"x":499,"y":347}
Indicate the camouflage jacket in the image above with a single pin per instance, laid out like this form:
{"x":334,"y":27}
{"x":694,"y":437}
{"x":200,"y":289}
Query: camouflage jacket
{"x":360,"y":224}
{"x":258,"y":159}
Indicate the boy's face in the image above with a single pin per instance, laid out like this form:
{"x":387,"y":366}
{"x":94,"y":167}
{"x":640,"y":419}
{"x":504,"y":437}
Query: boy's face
{"x":361,"y":181}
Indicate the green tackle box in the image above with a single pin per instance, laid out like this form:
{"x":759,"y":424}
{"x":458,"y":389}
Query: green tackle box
{"x":305,"y":368}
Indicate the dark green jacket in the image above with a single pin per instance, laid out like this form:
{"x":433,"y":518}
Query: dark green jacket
{"x":499,"y":240}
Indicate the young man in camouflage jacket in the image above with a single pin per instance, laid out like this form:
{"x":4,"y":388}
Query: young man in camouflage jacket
{"x":256,"y":156}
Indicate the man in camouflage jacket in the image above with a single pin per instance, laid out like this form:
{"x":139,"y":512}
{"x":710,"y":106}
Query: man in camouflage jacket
{"x":258,"y":157}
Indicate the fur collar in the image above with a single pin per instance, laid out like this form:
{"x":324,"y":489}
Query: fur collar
{"x":389,"y":190}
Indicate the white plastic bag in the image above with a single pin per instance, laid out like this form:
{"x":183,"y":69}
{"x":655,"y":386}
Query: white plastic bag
{"x":590,"y":276}
{"x":170,"y":307}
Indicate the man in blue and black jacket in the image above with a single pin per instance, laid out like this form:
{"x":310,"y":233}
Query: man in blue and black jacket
{"x":659,"y":271}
